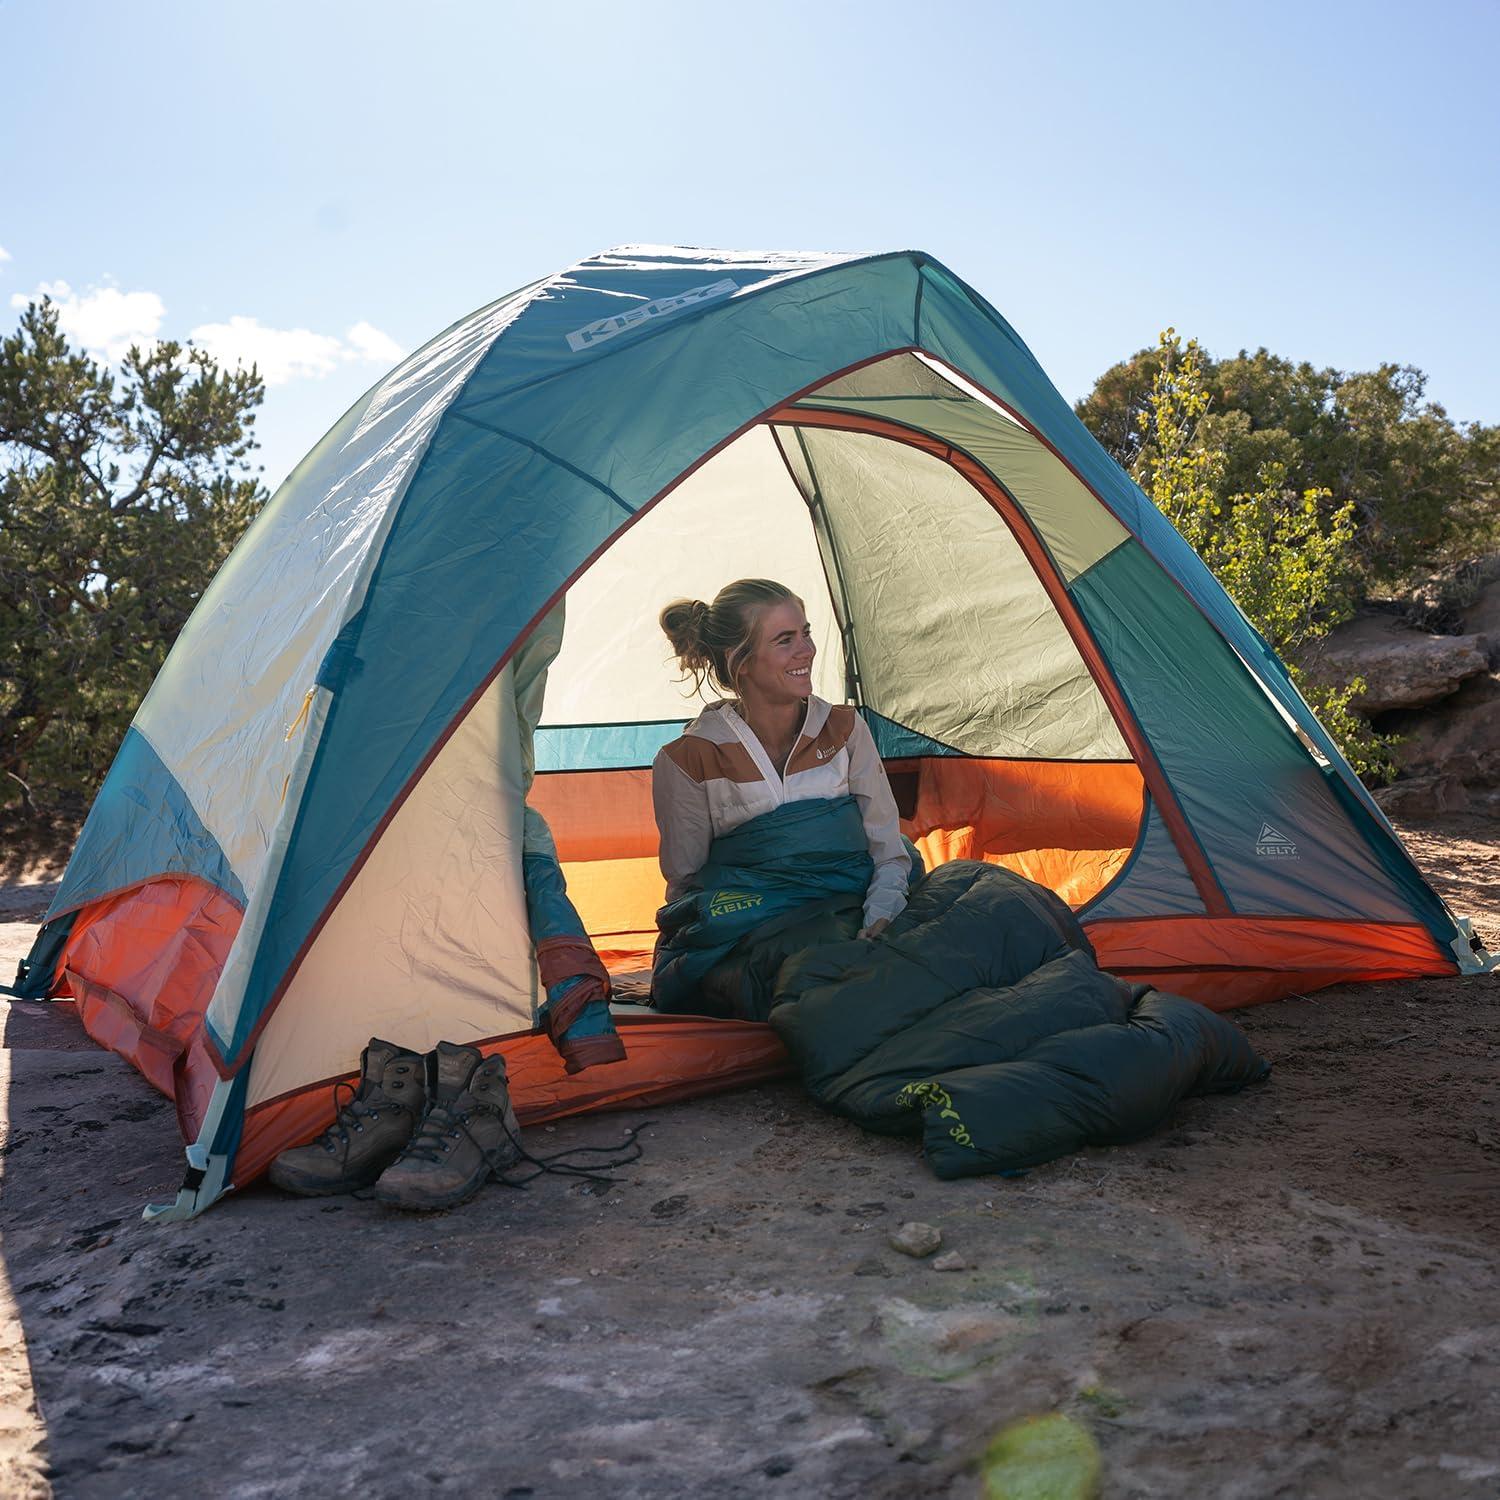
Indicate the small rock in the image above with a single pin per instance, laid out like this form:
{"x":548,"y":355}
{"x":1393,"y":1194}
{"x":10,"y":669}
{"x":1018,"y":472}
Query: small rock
{"x":950,"y":1261}
{"x":916,"y":1240}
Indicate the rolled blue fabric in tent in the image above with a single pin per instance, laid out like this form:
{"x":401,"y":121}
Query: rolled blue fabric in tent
{"x":575,"y":1014}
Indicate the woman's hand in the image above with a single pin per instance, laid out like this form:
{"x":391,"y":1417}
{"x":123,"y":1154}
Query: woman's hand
{"x":875,"y":928}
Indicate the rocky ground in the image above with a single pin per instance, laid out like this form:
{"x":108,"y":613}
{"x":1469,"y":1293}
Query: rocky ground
{"x":1293,"y":1291}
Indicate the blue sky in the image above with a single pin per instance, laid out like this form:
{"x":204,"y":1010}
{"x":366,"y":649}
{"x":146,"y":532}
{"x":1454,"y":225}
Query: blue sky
{"x":324,"y":185}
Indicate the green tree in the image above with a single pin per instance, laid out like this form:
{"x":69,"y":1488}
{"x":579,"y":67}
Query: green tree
{"x":120,"y":495}
{"x":1425,"y":491}
{"x":1282,"y":553}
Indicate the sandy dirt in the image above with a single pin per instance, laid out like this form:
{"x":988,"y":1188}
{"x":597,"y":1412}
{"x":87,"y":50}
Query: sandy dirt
{"x":1289,"y":1292}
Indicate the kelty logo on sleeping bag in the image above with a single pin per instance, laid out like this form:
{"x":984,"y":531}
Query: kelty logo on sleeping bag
{"x":606,"y":328}
{"x":1273,"y":844}
{"x":935,"y":1096}
{"x":727,"y":903}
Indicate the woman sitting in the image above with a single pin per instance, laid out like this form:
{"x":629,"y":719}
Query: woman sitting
{"x":980,"y":1020}
{"x":823,"y":852}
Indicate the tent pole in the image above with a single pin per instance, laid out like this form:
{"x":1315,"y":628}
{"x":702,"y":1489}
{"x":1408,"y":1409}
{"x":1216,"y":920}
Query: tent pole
{"x":834,"y":574}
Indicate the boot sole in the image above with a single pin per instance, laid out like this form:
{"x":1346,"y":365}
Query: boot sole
{"x":290,"y":1182}
{"x":319,"y":1190}
{"x":460,"y":1194}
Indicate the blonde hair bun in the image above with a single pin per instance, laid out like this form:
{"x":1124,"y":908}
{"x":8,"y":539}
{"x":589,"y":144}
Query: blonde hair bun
{"x":712,"y":642}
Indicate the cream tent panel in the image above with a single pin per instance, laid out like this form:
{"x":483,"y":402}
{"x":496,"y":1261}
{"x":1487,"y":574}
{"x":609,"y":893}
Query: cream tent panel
{"x":739,"y":516}
{"x":430,"y":942}
{"x":955,"y":635}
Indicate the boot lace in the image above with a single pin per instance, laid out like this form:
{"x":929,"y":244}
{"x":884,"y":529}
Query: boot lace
{"x":628,"y":1150}
{"x":443,"y":1123}
{"x":440,"y":1124}
{"x":350,"y":1114}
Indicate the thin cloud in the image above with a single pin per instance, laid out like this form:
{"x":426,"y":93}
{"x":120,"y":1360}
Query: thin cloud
{"x":4,"y":255}
{"x":280,"y":354}
{"x":374,"y":347}
{"x":103,"y":320}
{"x":286,"y":354}
{"x":106,"y":321}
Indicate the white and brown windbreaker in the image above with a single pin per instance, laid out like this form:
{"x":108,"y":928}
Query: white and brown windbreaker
{"x":718,"y":776}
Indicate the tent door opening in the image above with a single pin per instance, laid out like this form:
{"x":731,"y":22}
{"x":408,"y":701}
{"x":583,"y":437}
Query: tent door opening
{"x":929,"y":614}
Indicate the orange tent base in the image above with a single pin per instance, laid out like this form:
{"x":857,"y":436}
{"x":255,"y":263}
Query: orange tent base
{"x":118,"y":951}
{"x":1224,"y":962}
{"x":667,"y":1058}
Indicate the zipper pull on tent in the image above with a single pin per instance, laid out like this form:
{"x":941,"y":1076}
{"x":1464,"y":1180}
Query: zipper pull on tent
{"x":301,"y":718}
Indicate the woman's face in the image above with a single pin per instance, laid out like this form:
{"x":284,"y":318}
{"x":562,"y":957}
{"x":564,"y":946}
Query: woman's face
{"x":780,"y":667}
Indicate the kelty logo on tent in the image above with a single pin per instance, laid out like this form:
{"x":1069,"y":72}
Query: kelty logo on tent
{"x":607,"y":328}
{"x":726,"y":903}
{"x":1274,"y":844}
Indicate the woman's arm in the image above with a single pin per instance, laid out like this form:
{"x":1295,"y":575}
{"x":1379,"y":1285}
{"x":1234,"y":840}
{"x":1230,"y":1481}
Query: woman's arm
{"x":886,"y":896}
{"x":683,"y":823}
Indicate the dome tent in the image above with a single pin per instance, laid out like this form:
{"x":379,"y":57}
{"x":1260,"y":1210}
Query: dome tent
{"x":438,"y":641}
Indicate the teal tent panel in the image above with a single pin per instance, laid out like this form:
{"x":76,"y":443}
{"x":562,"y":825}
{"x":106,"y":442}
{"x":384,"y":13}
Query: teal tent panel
{"x":635,"y":419}
{"x":1398,"y":865}
{"x":1277,"y":838}
{"x":615,"y":747}
{"x":518,"y":488}
{"x":140,"y":826}
{"x":1154,"y":882}
{"x":602,"y":747}
{"x":626,"y":296}
{"x":896,"y":742}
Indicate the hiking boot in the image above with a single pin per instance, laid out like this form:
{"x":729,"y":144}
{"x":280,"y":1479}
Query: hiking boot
{"x":369,"y":1132}
{"x":468,"y":1133}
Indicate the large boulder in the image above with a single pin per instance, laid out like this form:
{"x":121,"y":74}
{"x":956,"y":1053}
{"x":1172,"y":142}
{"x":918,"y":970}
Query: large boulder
{"x":1439,"y":694}
{"x":1458,"y":737}
{"x":1402,"y":668}
{"x":1449,"y":754}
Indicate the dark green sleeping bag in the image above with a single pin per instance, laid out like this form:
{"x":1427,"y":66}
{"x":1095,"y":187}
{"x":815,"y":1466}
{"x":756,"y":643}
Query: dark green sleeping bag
{"x":981,"y":1021}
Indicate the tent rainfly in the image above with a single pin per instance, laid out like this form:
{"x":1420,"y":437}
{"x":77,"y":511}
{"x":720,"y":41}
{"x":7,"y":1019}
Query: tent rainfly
{"x":345,"y":805}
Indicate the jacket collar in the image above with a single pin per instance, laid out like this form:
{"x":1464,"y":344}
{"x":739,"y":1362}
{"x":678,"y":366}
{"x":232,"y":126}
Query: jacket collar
{"x":712,"y":723}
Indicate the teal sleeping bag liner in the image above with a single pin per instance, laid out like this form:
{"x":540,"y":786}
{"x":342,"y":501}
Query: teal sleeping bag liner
{"x":793,"y":878}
